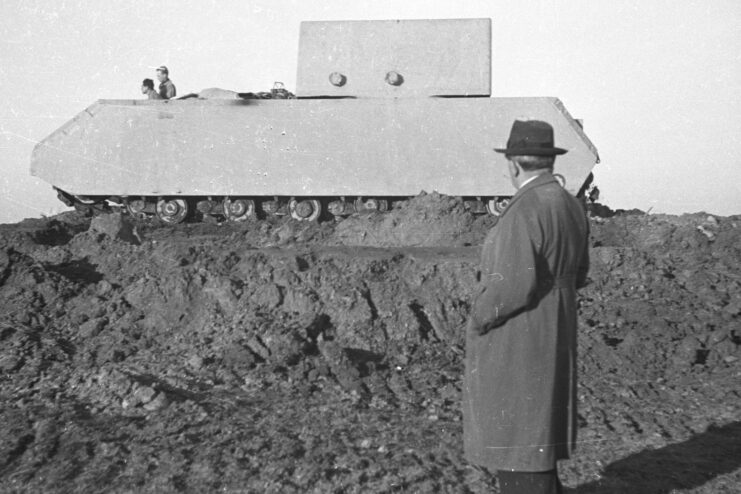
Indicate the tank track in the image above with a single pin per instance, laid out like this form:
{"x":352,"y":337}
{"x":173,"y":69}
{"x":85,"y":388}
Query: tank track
{"x":177,"y":209}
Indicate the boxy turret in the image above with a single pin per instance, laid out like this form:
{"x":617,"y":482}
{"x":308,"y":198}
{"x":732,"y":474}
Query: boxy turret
{"x":394,"y":59}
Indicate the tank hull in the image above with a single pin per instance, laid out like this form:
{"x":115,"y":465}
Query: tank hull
{"x":300,"y":147}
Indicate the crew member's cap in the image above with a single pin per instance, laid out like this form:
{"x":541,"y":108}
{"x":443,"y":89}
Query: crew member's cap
{"x":163,"y":69}
{"x":531,"y":137}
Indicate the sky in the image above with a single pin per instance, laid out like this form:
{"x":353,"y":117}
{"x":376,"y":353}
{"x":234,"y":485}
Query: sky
{"x":657,"y":83}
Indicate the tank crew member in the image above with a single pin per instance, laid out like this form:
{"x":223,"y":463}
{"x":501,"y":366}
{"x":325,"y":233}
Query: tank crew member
{"x":148,"y":89}
{"x":519,"y":396}
{"x":167,"y":88}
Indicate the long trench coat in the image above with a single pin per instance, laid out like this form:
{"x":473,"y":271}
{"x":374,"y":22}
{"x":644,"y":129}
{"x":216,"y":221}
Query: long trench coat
{"x":519,"y":396}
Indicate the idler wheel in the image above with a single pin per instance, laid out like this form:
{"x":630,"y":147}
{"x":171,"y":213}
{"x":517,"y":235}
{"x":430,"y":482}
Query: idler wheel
{"x":307,"y":210}
{"x":238,"y":209}
{"x":172,"y":211}
{"x":497,"y":205}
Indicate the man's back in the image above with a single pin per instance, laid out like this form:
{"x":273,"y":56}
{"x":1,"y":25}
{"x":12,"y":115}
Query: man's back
{"x":561,"y":228}
{"x":551,"y":222}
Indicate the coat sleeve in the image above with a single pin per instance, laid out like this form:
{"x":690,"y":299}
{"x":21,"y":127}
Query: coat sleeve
{"x":508,"y":275}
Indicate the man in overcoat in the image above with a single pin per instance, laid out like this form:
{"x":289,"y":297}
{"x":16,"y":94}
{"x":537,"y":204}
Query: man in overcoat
{"x":519,"y":396}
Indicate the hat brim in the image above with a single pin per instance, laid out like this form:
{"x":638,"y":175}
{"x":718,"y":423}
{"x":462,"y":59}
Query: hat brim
{"x":532,"y":151}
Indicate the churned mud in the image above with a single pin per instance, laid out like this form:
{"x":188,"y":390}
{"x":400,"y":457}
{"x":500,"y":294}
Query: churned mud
{"x":279,"y":356}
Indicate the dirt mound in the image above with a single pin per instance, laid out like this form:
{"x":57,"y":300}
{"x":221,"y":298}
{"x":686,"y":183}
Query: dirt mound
{"x":424,"y":221}
{"x":280,"y":356}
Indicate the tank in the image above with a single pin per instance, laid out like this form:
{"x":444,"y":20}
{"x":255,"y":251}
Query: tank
{"x":382,"y":111}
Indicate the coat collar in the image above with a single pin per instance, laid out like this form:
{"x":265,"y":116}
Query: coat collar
{"x":542,"y":179}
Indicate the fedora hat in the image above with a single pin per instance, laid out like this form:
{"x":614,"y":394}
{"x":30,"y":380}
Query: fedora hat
{"x":531,"y":137}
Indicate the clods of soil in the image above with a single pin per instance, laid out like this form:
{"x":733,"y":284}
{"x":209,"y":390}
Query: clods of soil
{"x":278,"y":356}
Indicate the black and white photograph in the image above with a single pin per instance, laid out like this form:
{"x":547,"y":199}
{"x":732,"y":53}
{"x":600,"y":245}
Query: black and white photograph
{"x":406,"y":246}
